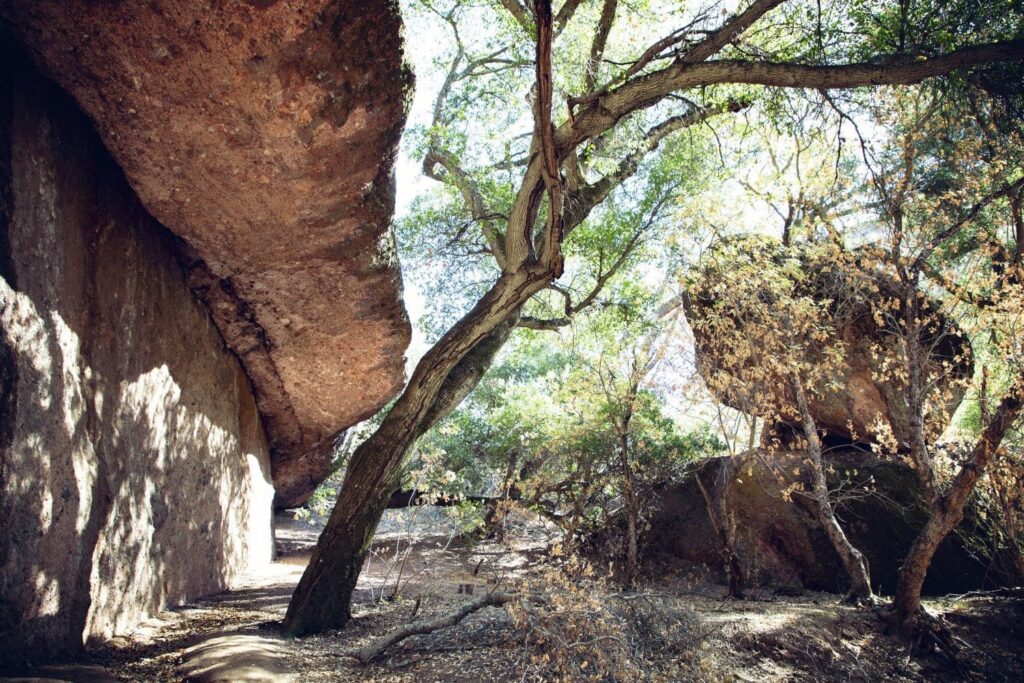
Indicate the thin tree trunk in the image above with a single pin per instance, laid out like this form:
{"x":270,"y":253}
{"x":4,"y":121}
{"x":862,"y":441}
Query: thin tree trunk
{"x":632,"y":506}
{"x":723,"y":520}
{"x":727,"y":519}
{"x":948,"y":509}
{"x":321,"y":600}
{"x":853,"y":560}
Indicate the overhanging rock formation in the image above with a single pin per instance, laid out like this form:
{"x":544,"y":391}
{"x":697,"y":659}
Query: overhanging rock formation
{"x":864,"y":392}
{"x":263,"y":134}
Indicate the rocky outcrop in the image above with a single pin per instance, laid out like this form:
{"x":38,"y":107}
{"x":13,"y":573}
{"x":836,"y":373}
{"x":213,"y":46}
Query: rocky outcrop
{"x":866,"y":389}
{"x":134,"y":472}
{"x":263,"y":133}
{"x":780,"y":541}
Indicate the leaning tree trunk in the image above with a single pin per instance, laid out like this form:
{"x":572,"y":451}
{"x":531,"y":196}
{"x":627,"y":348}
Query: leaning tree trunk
{"x":440,"y":381}
{"x":853,"y":560}
{"x":721,"y":514}
{"x":948,"y":509}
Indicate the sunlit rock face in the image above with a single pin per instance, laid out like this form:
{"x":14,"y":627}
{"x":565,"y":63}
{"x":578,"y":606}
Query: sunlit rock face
{"x":134,"y":472}
{"x":264,"y":134}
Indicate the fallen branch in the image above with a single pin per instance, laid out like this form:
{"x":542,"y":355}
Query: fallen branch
{"x":1009,"y":591}
{"x":376,"y":648}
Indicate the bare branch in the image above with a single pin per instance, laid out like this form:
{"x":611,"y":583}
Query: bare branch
{"x":729,"y":31}
{"x":580,"y":204}
{"x":602,"y":278}
{"x":376,"y":648}
{"x":470,"y":195}
{"x":517,"y":10}
{"x":604,"y":27}
{"x":648,"y":89}
{"x":951,"y":230}
{"x":708,"y":47}
{"x":565,"y":14}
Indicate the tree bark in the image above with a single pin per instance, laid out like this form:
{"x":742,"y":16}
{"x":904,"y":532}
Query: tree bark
{"x":632,"y":505}
{"x":321,"y":600}
{"x":723,"y":520}
{"x":853,"y":560}
{"x":948,"y":509}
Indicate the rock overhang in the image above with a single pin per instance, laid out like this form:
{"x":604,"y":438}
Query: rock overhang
{"x":264,"y":135}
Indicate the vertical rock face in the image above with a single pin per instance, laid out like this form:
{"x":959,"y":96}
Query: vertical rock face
{"x":134,"y":472}
{"x":263,"y":133}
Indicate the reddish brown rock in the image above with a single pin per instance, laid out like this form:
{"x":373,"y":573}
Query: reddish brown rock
{"x":134,"y":472}
{"x":264,"y":134}
{"x":863,"y":393}
{"x":781,"y":542}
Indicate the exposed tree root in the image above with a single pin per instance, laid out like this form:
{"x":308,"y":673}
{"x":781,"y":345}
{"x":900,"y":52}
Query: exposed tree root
{"x":927,"y":634}
{"x":870,"y":601}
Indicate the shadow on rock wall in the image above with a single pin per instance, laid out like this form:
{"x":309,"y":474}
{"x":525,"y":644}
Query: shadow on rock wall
{"x":133,"y":468}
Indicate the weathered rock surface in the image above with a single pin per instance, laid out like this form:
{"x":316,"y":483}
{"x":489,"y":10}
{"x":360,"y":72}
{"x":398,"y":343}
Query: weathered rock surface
{"x":134,"y":472}
{"x":780,"y":542}
{"x":865,"y":392}
{"x":264,"y":134}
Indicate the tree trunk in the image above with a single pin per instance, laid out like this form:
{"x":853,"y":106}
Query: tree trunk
{"x":723,"y":521}
{"x":321,"y":600}
{"x":948,"y":509}
{"x":632,"y":506}
{"x":853,"y":560}
{"x":727,"y":522}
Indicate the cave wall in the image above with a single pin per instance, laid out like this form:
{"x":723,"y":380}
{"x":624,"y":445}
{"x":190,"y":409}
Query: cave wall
{"x":134,"y":470}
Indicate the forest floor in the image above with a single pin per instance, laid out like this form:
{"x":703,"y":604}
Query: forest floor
{"x":685,"y":631}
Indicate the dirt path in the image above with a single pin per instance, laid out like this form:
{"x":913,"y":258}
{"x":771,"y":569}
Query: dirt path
{"x":235,"y":635}
{"x":771,"y":638}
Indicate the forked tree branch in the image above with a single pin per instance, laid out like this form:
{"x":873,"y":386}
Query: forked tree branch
{"x":708,"y":47}
{"x":730,"y":31}
{"x":470,"y":195}
{"x":648,"y":89}
{"x":551,"y":255}
{"x":603,"y":277}
{"x":951,"y":230}
{"x":579,"y":204}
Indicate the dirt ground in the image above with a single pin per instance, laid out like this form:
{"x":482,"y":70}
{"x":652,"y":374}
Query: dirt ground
{"x":695,"y":633}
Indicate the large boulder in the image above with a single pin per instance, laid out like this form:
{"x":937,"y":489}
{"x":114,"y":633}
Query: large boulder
{"x":134,"y":471}
{"x":780,"y":541}
{"x":264,"y":134}
{"x":867,"y":389}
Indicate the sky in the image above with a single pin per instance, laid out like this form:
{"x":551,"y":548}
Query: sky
{"x":429,"y":39}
